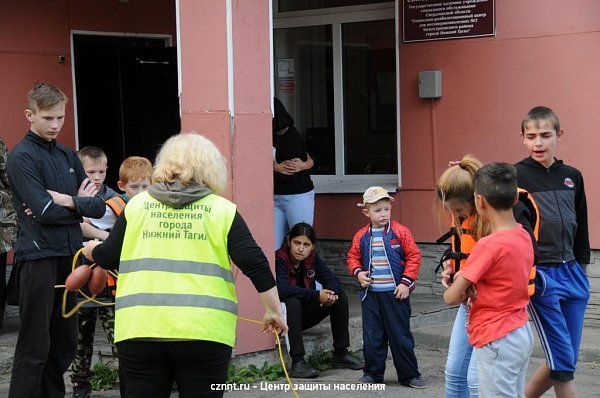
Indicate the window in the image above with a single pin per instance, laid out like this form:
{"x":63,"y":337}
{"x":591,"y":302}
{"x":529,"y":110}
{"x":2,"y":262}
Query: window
{"x":369,"y":69}
{"x":304,"y":83}
{"x":336,"y":75}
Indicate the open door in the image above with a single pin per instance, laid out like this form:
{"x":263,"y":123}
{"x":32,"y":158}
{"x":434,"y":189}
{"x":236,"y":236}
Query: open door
{"x":127,"y":98}
{"x":149,"y":101}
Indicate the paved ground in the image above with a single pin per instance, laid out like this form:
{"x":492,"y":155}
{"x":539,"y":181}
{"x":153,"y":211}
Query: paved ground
{"x":432,"y":324}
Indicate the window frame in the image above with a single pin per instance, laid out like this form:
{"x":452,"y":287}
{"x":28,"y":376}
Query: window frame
{"x":335,"y":17}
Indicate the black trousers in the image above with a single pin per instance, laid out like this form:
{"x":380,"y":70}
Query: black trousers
{"x":386,"y":322}
{"x":47,"y":341}
{"x":150,"y":367}
{"x":302,"y":316}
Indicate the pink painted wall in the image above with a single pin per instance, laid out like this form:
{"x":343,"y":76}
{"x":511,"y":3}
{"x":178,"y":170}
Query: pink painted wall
{"x":33,"y":33}
{"x":545,"y":52}
{"x":244,"y":136}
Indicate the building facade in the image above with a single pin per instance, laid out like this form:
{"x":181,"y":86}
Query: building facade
{"x":343,"y":71}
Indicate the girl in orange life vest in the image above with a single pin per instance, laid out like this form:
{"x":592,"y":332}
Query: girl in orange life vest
{"x":455,"y":194}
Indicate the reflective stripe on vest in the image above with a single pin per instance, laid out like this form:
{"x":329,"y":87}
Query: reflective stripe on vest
{"x":175,"y":279}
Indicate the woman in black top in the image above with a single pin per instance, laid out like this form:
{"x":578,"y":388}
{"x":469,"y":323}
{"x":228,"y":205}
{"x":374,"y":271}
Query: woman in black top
{"x":294,"y":190}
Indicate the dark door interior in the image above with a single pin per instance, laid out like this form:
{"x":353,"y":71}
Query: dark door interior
{"x":127,"y":99}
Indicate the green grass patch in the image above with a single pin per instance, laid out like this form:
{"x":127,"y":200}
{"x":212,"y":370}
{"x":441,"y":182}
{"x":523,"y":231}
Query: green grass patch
{"x":104,"y":377}
{"x":252,"y":373}
{"x":321,"y":360}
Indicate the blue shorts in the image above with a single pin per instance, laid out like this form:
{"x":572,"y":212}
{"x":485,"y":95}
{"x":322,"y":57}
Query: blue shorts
{"x":557,"y":309}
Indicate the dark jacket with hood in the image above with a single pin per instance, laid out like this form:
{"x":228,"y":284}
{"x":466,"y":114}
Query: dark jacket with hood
{"x":314,"y":269}
{"x":560,"y":195}
{"x":242,"y":248}
{"x":34,"y":166}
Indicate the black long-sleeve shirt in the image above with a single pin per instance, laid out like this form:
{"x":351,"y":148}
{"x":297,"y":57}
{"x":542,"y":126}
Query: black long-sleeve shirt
{"x":34,"y":166}
{"x":242,"y":249}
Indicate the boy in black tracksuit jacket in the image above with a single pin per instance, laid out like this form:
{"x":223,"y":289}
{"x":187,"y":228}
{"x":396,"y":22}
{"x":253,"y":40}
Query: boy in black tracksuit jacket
{"x":49,"y":180}
{"x":562,"y":289}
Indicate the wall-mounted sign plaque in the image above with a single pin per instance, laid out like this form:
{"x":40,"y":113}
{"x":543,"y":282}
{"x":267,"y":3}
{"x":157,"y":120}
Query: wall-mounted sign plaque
{"x":447,"y":19}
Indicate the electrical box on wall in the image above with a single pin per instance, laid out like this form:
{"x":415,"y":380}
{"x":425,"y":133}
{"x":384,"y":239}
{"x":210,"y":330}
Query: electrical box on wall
{"x":430,"y":84}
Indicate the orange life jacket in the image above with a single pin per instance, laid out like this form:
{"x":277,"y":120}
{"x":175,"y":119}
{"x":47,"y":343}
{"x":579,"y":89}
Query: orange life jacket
{"x":117,"y":205}
{"x":462,"y":244}
{"x":534,"y":219}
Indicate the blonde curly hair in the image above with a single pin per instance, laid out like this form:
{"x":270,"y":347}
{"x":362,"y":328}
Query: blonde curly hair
{"x":190,"y":157}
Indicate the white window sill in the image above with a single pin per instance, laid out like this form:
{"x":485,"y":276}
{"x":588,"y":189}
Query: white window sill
{"x":354,"y":183}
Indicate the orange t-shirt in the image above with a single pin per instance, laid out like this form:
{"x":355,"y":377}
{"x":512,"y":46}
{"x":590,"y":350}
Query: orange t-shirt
{"x":499,"y":266}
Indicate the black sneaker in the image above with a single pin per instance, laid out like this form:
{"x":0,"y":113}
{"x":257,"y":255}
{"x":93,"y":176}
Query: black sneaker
{"x":347,"y":361}
{"x":83,"y":391}
{"x":303,"y":370}
{"x":415,"y":382}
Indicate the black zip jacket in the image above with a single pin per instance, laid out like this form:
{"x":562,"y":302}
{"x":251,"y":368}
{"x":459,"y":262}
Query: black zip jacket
{"x":560,"y":195}
{"x":34,"y":166}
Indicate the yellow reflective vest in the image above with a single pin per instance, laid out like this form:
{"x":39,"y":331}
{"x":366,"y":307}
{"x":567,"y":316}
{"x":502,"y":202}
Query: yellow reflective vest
{"x":175,"y":278}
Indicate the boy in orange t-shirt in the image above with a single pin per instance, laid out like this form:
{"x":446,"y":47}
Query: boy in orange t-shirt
{"x":499,"y":267}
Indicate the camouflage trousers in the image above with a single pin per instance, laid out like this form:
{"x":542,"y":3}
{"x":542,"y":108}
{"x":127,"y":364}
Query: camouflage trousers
{"x":86,"y":319}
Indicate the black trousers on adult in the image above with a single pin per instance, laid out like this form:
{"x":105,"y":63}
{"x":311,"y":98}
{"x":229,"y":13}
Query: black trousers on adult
{"x":47,"y":341}
{"x":302,"y":316}
{"x":151,"y":367}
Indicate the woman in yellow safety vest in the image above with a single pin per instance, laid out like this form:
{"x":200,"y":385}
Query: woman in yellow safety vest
{"x":176,"y":307}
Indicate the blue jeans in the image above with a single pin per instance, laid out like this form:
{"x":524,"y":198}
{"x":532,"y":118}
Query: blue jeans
{"x":461,"y":365}
{"x":290,"y":210}
{"x":502,"y":364}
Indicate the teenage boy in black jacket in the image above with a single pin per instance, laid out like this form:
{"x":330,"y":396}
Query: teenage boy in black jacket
{"x":51,"y":194}
{"x":562,"y":289}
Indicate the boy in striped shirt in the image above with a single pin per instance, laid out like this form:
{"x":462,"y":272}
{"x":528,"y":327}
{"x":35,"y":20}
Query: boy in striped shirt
{"x":385,"y":259}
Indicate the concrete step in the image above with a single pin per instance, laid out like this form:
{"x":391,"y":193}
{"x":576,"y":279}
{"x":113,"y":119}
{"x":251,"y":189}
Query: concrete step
{"x":426,"y":312}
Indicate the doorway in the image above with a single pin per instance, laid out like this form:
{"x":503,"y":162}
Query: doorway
{"x":126,"y":95}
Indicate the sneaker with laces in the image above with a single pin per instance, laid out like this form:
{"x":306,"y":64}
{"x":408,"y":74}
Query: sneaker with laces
{"x":415,"y":382}
{"x":83,"y":391}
